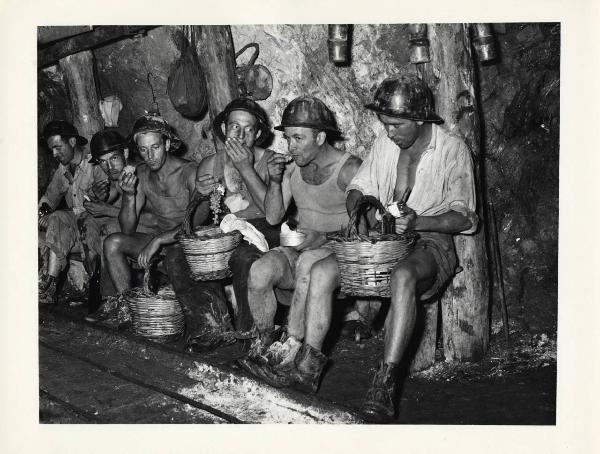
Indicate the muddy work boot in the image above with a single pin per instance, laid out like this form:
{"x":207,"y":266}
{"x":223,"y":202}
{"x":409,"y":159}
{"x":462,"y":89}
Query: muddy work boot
{"x":308,"y":366}
{"x":258,"y":349}
{"x":379,"y":402}
{"x":47,"y":289}
{"x":113,"y":312}
{"x":280,"y":358}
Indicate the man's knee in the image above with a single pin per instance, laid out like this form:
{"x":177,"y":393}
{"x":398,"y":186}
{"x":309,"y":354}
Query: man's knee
{"x":60,"y":217}
{"x":307,"y":259}
{"x":404,"y":275}
{"x":113,"y":244}
{"x":324,"y":274}
{"x":263,"y":272}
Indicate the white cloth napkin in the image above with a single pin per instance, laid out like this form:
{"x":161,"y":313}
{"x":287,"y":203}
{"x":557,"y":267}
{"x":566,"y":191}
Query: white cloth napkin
{"x":251,"y":234}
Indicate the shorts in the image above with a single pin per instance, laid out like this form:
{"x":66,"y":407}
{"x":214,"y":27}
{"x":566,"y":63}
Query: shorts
{"x":441,"y":247}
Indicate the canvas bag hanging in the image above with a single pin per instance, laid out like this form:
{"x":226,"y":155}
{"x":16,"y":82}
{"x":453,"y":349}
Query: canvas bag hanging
{"x":186,"y":85}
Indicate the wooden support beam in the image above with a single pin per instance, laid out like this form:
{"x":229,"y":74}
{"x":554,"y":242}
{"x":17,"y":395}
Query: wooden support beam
{"x":101,"y":35}
{"x":465,"y":304}
{"x":78,"y":72}
{"x":217,"y":61}
{"x":48,"y":34}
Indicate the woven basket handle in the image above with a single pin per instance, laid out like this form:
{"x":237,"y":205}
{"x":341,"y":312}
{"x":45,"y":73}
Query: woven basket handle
{"x":186,"y":224}
{"x":364,"y":202}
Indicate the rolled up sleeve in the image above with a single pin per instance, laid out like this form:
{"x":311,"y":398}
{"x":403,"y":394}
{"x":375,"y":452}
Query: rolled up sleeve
{"x":460,"y":196}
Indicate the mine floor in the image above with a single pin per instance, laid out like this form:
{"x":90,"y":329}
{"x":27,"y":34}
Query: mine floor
{"x":90,"y":374}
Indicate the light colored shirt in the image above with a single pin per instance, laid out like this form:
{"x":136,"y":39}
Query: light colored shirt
{"x":444,"y":178}
{"x":72,"y":187}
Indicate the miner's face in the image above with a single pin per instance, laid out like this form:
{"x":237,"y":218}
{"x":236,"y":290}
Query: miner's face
{"x":153,"y":148}
{"x":243,"y":126}
{"x":401,"y":131}
{"x":304,"y":143}
{"x":63,"y":150}
{"x":112,"y":164}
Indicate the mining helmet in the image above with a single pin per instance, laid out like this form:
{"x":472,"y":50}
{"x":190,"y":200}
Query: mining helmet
{"x":405,"y":96}
{"x":64,"y":129}
{"x":308,"y":112}
{"x":247,"y":105}
{"x":104,"y":142}
{"x":155,"y":123}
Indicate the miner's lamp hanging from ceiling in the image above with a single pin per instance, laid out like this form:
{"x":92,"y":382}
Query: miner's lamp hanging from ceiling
{"x":338,"y":43}
{"x":418,"y":43}
{"x":254,"y":81}
{"x":483,"y":40}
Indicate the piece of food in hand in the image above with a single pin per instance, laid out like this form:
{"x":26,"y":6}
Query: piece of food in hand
{"x":128,"y":169}
{"x":394,"y":209}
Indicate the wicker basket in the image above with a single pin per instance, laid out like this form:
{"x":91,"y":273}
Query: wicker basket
{"x":366,"y":262}
{"x":157,"y":316}
{"x":207,"y":249}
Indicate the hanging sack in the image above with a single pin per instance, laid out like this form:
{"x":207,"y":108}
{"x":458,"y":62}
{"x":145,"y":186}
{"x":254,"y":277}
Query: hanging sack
{"x":186,"y":85}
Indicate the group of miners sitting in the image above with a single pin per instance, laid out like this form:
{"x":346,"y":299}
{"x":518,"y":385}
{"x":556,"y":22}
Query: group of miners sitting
{"x":119,"y":215}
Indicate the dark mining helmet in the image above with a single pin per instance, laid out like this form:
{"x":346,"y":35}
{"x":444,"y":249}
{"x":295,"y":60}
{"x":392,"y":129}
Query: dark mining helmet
{"x":247,"y":105}
{"x":104,"y":142}
{"x":155,"y":123}
{"x":308,"y":112}
{"x":64,"y":129}
{"x":405,"y":96}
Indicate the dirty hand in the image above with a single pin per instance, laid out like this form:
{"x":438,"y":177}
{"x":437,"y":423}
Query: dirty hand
{"x":313,"y":240}
{"x":127,"y":183}
{"x":100,"y":190}
{"x":407,"y":221}
{"x":97,"y":208}
{"x":148,"y":252}
{"x":205,"y":183}
{"x":240,"y":154}
{"x":276,"y":165}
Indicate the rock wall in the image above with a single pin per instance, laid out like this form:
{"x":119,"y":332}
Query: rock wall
{"x":520,"y":109}
{"x":520,"y":97}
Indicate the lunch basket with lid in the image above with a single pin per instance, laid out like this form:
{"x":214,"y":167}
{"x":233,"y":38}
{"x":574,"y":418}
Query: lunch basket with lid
{"x":207,"y":249}
{"x":157,"y":316}
{"x":366,"y":261}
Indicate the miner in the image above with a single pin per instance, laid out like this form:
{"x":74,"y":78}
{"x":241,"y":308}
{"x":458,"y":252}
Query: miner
{"x":162,"y":186}
{"x":316,"y":181}
{"x":243,"y":127}
{"x":75,"y":179}
{"x":413,"y":152}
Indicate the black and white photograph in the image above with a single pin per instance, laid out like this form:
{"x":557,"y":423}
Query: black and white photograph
{"x":263,"y":226}
{"x":324,"y":223}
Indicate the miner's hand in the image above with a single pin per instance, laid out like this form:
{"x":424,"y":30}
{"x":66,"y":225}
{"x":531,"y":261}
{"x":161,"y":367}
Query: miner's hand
{"x":407,"y":221}
{"x":276,"y":166}
{"x":127,"y":183}
{"x":240,"y":154}
{"x":205,"y":183}
{"x":313,"y":240}
{"x":100,"y":190}
{"x":148,"y":252}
